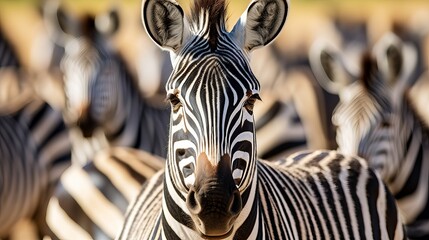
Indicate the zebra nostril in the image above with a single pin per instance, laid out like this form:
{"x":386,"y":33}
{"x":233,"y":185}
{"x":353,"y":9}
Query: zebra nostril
{"x":181,"y":152}
{"x":192,"y":202}
{"x":236,"y":204}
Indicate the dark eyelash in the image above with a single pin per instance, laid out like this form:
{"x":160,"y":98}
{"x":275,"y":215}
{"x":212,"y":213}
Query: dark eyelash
{"x":175,"y":102}
{"x":250,"y":102}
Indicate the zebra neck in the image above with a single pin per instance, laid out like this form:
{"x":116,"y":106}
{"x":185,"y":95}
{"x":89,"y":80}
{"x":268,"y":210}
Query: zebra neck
{"x":177,"y":222}
{"x":409,"y":184}
{"x":126,"y":113}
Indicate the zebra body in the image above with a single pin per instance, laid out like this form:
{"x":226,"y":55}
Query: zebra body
{"x":321,"y":198}
{"x":90,"y":201}
{"x":35,"y":150}
{"x":214,"y":186}
{"x":376,"y":119}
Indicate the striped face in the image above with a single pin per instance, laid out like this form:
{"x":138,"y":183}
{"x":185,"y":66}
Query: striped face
{"x":212,"y":95}
{"x":90,"y":86}
{"x":365,"y":126}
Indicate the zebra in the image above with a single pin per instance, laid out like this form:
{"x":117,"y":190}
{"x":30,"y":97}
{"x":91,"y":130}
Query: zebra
{"x":213,"y":186}
{"x":376,"y":119}
{"x":90,"y":202}
{"x":35,"y":150}
{"x":102,"y":98}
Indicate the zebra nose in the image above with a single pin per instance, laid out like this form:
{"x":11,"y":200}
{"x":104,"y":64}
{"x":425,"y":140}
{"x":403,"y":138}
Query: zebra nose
{"x":214,"y":201}
{"x":193,"y":202}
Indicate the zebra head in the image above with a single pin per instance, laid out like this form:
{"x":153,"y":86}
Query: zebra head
{"x":212,"y":91}
{"x":368,"y":115}
{"x":89,"y":73}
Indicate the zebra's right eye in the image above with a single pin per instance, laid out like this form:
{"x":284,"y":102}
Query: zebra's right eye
{"x":250,"y":102}
{"x":175,"y":102}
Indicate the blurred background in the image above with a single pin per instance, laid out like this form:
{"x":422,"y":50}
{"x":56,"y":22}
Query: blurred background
{"x":21,"y":20}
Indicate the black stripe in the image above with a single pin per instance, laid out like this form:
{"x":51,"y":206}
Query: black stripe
{"x":281,"y":148}
{"x":412,"y":182}
{"x":106,"y":187}
{"x":372,"y":188}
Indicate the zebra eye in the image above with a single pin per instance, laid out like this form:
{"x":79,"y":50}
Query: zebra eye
{"x":385,"y":124}
{"x":175,"y":102}
{"x":250,"y":102}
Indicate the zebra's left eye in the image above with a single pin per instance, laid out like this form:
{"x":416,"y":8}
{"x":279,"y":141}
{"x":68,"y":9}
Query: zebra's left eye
{"x":250,"y":102}
{"x":175,"y":102}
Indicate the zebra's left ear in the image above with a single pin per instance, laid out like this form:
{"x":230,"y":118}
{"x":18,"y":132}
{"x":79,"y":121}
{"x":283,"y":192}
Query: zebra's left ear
{"x":260,"y":24}
{"x":396,"y":60}
{"x":164,"y":23}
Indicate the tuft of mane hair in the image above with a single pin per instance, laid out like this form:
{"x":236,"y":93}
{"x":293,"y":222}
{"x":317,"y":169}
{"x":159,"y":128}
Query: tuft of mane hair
{"x":88,"y":27}
{"x":216,"y":10}
{"x":368,"y":70}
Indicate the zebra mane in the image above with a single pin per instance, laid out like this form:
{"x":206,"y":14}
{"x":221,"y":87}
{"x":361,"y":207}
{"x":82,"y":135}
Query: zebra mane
{"x":372,"y":81}
{"x":369,"y":71}
{"x":209,"y":14}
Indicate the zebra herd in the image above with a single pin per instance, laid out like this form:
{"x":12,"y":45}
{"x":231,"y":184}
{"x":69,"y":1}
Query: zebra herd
{"x":112,"y":163}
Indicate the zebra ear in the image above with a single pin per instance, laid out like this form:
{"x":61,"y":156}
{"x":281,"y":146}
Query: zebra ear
{"x":164,"y":23}
{"x":108,"y":23}
{"x":329,"y":67}
{"x":60,"y":26}
{"x":260,"y":24}
{"x":397,"y":60}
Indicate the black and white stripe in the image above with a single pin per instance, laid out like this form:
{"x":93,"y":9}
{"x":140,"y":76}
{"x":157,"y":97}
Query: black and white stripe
{"x":90,"y":201}
{"x":213,"y":185}
{"x":35,"y":150}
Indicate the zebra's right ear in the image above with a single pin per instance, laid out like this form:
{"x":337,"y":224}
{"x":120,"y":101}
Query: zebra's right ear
{"x":164,"y":23}
{"x":328,"y":67}
{"x":260,"y":24}
{"x":60,"y":26}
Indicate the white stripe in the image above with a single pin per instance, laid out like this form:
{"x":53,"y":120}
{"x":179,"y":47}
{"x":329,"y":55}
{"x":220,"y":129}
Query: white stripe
{"x":101,"y":211}
{"x":61,"y":224}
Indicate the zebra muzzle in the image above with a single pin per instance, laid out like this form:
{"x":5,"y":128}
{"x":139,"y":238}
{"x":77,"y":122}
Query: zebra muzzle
{"x":214,"y":200}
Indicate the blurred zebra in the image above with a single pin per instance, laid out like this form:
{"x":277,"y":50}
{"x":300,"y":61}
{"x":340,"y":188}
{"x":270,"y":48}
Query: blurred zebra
{"x":35,"y":150}
{"x":90,"y":202}
{"x":213,"y":186}
{"x":102,"y":99}
{"x":376,"y":120}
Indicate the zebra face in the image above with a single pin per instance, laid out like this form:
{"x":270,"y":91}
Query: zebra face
{"x":89,"y":85}
{"x":212,"y":135}
{"x":368,"y":116}
{"x":365,"y":126}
